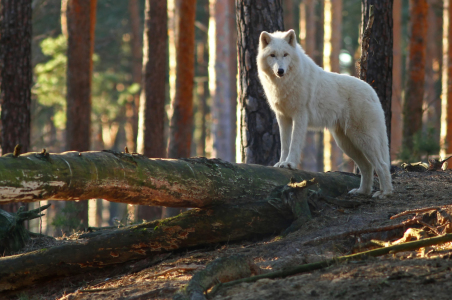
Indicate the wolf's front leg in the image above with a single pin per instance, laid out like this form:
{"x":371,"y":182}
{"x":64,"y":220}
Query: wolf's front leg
{"x":285,"y":131}
{"x":299,"y":129}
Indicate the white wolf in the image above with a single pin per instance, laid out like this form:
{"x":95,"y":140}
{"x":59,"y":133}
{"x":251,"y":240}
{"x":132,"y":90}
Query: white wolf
{"x":303,"y":95}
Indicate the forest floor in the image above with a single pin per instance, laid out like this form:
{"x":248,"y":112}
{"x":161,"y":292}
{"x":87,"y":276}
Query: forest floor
{"x":423,"y":274}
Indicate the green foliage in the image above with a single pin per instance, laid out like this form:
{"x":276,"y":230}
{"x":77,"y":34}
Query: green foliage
{"x":425,"y":143}
{"x":50,"y":86}
{"x":66,"y":219}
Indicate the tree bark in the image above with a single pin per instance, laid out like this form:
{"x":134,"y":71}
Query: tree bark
{"x":135,"y":179}
{"x":15,"y":74}
{"x":446,"y":99}
{"x":259,"y":133}
{"x":105,"y":248}
{"x":251,"y":217}
{"x":396,"y":102}
{"x":379,"y":61}
{"x":152,"y":101}
{"x":220,"y":80}
{"x":414,"y":91}
{"x":182,"y":119}
{"x":133,"y":103}
{"x":15,"y":77}
{"x":81,"y":20}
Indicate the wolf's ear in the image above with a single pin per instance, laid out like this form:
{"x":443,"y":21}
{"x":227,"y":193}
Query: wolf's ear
{"x":291,"y":38}
{"x":265,"y":39}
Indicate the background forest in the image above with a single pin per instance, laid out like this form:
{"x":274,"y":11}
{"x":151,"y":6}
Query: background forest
{"x":183,"y":63}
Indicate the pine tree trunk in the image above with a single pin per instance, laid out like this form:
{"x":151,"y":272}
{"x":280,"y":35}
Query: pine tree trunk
{"x":15,"y":77}
{"x":396,"y":105}
{"x":182,"y":119}
{"x":137,"y":64}
{"x":259,"y":133}
{"x":220,"y":84}
{"x":15,"y":74}
{"x":446,"y":99}
{"x":379,"y":61}
{"x":81,"y":19}
{"x":152,"y":100}
{"x":414,"y":90}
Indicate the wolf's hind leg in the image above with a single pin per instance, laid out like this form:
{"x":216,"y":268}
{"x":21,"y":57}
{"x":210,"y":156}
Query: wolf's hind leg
{"x":378,"y":154}
{"x":367,"y":172}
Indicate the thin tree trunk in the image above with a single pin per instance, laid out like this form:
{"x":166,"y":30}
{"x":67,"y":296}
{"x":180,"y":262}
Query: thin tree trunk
{"x":432,"y":94}
{"x":311,"y":38}
{"x":220,"y":84}
{"x":446,"y":99}
{"x":333,"y":42}
{"x":414,"y":90}
{"x":182,"y":118}
{"x":15,"y":77}
{"x":289,"y":15}
{"x":259,"y":134}
{"x":396,"y":102}
{"x":233,"y":76}
{"x":81,"y":19}
{"x":379,"y":61}
{"x":137,"y":65}
{"x":152,"y":102}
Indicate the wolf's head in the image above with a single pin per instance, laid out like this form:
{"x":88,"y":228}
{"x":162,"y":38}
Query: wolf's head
{"x":276,"y":51}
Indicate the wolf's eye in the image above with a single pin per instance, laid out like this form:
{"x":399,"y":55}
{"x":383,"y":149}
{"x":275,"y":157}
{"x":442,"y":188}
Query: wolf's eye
{"x":285,"y":54}
{"x":272,"y":55}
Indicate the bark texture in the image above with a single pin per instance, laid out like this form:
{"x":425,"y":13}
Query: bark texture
{"x":80,"y":24}
{"x":182,"y":119}
{"x":414,"y":90}
{"x":258,"y":128}
{"x":220,"y":80}
{"x":15,"y":77}
{"x":379,"y":60}
{"x":152,"y":101}
{"x":133,"y":103}
{"x":446,"y":99}
{"x":396,"y":105}
{"x":105,"y":248}
{"x":15,"y":73}
{"x":135,"y":179}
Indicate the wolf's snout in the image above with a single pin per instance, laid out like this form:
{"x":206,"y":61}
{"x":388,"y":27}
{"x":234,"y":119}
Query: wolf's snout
{"x":280,"y":72}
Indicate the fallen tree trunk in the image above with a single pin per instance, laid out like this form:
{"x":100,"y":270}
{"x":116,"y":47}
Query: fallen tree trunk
{"x":195,"y":227}
{"x":135,"y":179}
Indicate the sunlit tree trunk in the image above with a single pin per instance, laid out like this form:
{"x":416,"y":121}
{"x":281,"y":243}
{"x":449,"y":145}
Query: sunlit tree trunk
{"x":446,"y":99}
{"x":396,"y":103}
{"x":414,"y":90}
{"x":15,"y":77}
{"x":220,"y":79}
{"x":259,"y":134}
{"x":81,"y":19}
{"x":182,"y":104}
{"x":311,"y":38}
{"x":181,"y":124}
{"x":333,"y":42}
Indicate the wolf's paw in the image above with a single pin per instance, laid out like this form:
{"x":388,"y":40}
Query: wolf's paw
{"x":360,"y":191}
{"x":277,"y":165}
{"x":288,"y":165}
{"x":381,"y":195}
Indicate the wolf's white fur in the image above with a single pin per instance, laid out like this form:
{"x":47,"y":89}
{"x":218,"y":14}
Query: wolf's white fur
{"x":303,"y":95}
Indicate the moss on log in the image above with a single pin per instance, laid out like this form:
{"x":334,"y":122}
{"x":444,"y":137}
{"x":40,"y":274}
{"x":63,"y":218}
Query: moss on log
{"x":195,"y":227}
{"x":135,"y":179}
